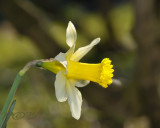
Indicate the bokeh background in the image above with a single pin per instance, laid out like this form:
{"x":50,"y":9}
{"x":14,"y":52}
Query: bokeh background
{"x":130,"y":37}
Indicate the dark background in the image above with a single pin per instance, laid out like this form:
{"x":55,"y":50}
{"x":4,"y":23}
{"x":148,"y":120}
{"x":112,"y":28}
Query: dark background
{"x":130,"y":37}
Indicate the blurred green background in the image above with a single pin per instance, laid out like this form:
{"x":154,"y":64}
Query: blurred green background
{"x":130,"y":37}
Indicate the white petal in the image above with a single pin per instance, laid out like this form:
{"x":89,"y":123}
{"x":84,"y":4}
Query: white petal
{"x":60,"y":87}
{"x":84,"y":50}
{"x":82,"y":83}
{"x":71,"y":35}
{"x":74,"y":99}
{"x":61,"y":57}
{"x":70,"y":52}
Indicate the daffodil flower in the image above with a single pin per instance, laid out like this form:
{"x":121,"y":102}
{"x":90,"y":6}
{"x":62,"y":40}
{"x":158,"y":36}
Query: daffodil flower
{"x":70,"y":73}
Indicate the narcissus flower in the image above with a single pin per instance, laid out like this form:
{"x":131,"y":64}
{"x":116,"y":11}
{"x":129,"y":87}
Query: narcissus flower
{"x":72,"y":74}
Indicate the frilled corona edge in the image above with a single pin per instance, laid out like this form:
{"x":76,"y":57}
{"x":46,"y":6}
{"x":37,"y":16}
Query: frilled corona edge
{"x":106,"y":73}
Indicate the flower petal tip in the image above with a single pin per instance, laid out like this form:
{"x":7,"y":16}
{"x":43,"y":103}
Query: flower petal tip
{"x":77,"y":117}
{"x":70,"y":23}
{"x":99,"y":39}
{"x":96,"y":41}
{"x":61,"y":100}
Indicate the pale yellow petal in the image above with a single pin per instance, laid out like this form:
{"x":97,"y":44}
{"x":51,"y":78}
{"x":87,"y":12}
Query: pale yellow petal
{"x":84,"y":50}
{"x":74,"y":99}
{"x":61,"y":57}
{"x":71,"y":34}
{"x":60,"y":87}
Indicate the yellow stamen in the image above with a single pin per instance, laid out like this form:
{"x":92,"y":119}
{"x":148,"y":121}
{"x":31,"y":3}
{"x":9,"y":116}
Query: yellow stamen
{"x":53,"y":66}
{"x":101,"y":73}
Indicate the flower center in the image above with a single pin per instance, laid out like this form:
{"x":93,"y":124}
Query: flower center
{"x":101,"y":73}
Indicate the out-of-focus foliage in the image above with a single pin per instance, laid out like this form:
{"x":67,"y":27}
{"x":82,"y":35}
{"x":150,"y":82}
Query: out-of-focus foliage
{"x":122,"y":20}
{"x":15,"y":48}
{"x":114,"y":22}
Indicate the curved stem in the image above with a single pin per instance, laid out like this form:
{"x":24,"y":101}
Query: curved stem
{"x":14,"y":88}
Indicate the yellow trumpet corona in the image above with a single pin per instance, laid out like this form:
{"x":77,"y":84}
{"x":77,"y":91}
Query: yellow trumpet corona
{"x":101,"y":73}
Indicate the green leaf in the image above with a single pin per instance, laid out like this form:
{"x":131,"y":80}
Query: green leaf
{"x":8,"y":114}
{"x":10,"y":97}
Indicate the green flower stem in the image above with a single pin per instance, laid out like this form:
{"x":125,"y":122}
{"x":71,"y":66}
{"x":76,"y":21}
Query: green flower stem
{"x":14,"y":88}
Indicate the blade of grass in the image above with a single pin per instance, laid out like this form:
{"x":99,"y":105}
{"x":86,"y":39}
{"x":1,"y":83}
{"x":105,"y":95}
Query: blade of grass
{"x":9,"y":114}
